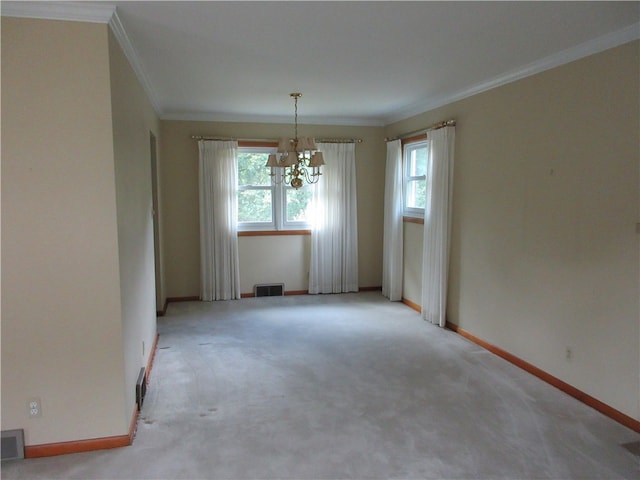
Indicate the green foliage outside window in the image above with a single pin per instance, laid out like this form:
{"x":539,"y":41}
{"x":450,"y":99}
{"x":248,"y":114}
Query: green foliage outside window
{"x":254,"y":204}
{"x":252,"y":170}
{"x":417,"y":162}
{"x":297,"y":203}
{"x":418,"y":193}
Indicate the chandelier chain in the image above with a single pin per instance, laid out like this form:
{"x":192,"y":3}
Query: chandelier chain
{"x":295,"y":138}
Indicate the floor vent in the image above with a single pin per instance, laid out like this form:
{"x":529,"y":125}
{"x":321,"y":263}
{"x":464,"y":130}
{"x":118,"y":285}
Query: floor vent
{"x":12,"y":444}
{"x":269,"y":290}
{"x":141,"y":388}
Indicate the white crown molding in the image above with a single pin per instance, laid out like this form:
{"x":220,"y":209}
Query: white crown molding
{"x":585,"y":49}
{"x":238,"y":118}
{"x":129,"y":51}
{"x":72,"y":11}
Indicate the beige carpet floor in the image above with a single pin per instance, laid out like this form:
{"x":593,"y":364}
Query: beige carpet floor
{"x":343,"y":386}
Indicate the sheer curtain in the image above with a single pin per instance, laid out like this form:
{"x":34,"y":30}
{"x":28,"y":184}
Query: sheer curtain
{"x":219,"y":266}
{"x":437,"y":225}
{"x":334,"y":238}
{"x":392,"y":260}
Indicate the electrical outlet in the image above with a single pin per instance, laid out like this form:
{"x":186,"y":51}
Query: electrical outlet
{"x":568,"y":354}
{"x":34,"y":407}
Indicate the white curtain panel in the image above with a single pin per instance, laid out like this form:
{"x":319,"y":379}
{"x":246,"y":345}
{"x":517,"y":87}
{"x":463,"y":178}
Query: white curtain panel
{"x":392,"y":261}
{"x":437,"y":225}
{"x":334,"y":237}
{"x":219,"y":265}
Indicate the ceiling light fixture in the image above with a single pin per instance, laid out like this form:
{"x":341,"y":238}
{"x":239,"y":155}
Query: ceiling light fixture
{"x":298,"y":159}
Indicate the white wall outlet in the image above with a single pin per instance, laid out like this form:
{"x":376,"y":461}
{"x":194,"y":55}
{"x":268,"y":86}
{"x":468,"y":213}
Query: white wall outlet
{"x":34,"y":407}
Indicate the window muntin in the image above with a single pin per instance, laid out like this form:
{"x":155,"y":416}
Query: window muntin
{"x":264,"y":204}
{"x":416,"y":165}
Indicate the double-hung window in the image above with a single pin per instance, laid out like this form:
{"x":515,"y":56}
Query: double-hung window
{"x":265,"y":203}
{"x":416,"y":177}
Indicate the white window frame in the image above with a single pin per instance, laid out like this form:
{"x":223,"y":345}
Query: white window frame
{"x":278,"y":202}
{"x":407,"y":177}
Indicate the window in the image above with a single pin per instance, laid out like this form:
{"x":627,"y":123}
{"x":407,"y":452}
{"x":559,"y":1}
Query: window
{"x":416,"y":164}
{"x":264,"y":204}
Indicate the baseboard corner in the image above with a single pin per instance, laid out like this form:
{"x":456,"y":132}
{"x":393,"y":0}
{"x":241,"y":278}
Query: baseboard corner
{"x":412,"y":305}
{"x":80,"y":446}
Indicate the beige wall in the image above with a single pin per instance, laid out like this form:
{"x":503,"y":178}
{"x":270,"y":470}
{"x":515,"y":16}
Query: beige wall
{"x":258,"y":267}
{"x":133,"y":120}
{"x":180,"y":213}
{"x":61,"y":329}
{"x":545,"y":255}
{"x":412,"y":268}
{"x":78,"y":296}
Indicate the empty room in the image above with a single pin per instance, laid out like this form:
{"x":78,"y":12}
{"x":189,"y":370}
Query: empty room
{"x":320,"y":240}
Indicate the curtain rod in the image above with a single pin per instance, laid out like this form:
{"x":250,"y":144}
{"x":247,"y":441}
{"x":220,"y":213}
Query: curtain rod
{"x":339,"y":140}
{"x":435,"y":126}
{"x":318,"y":140}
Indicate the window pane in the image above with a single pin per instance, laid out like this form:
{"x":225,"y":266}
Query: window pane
{"x":416,"y":193}
{"x":252,"y":170}
{"x":418,"y":162}
{"x":297,"y":206}
{"x":254,"y":206}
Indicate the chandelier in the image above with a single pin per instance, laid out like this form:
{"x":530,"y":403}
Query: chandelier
{"x":298,"y":159}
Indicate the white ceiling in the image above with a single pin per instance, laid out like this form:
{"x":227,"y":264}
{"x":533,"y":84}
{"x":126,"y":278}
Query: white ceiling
{"x":365,"y":63}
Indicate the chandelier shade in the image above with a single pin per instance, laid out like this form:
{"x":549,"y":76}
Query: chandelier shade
{"x":289,"y":160}
{"x":297,"y":159}
{"x":272,"y":161}
{"x":317,"y":160}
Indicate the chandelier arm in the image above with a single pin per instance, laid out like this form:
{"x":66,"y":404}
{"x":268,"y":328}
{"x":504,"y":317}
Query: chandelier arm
{"x":312,"y":175}
{"x":277,"y":174}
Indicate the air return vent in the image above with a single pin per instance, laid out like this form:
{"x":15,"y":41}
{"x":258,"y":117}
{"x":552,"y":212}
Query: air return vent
{"x":141,"y":388}
{"x":269,"y":290}
{"x":12,"y":444}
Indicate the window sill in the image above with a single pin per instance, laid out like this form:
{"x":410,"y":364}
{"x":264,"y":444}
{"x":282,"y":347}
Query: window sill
{"x":418,"y":220}
{"x":267,"y":233}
